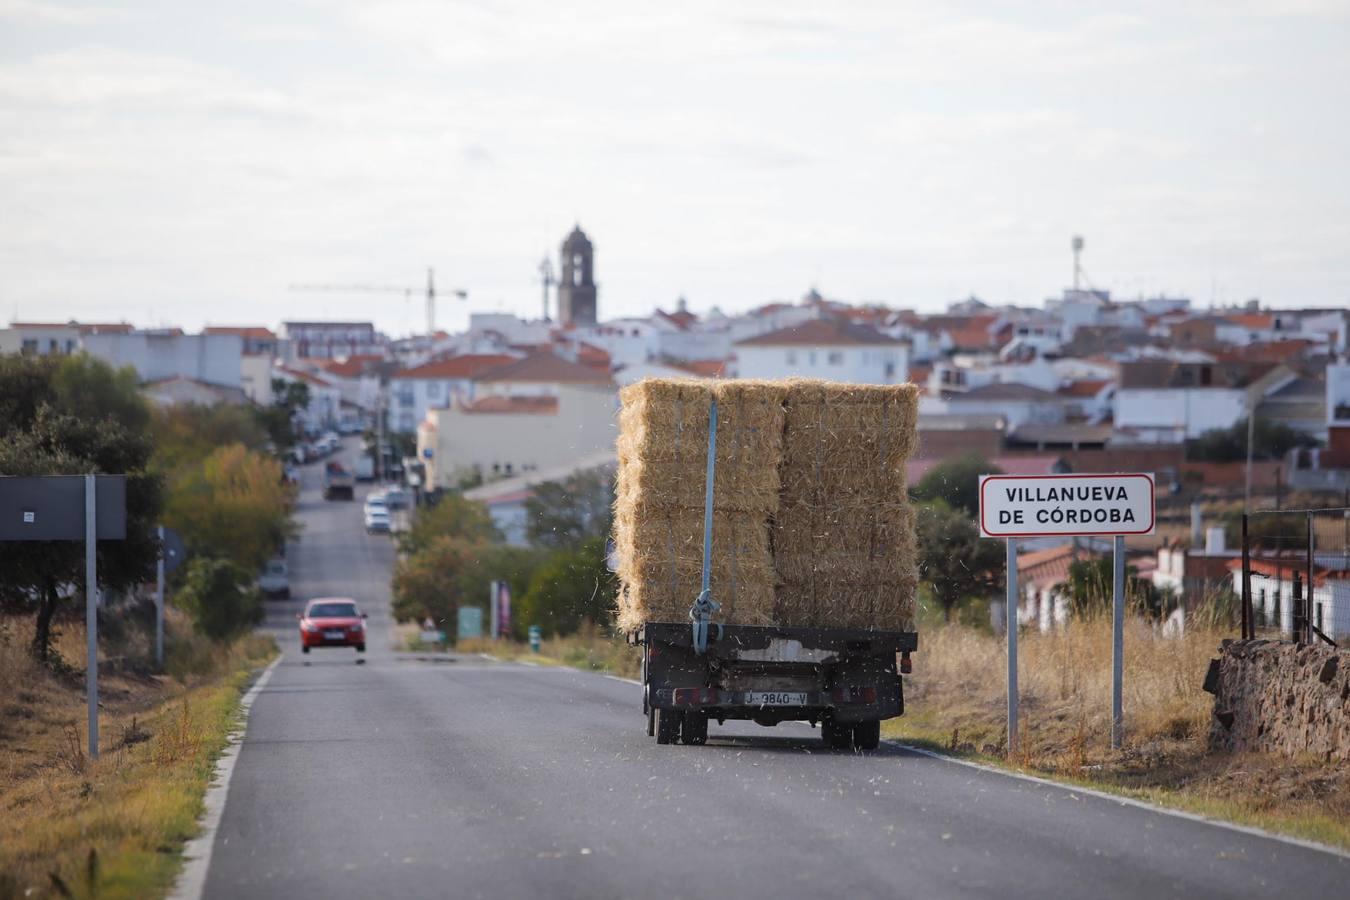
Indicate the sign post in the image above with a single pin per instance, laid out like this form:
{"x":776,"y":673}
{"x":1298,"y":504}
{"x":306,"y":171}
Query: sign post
{"x":91,"y":607}
{"x":1010,"y":618}
{"x":1118,"y":643}
{"x":1019,"y":506}
{"x":494,"y":616}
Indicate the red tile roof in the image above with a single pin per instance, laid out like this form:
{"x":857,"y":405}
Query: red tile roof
{"x":704,"y":368}
{"x":1268,"y":351}
{"x":307,"y":377}
{"x":1048,"y":567}
{"x":1251,"y":320}
{"x":544,"y":368}
{"x":469,"y":365}
{"x":820,"y":333}
{"x":538,"y":406}
{"x":353,"y":366}
{"x":257,"y":332}
{"x":1087,"y":388}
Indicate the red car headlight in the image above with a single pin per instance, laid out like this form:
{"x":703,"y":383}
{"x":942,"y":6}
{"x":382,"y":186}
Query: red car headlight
{"x":306,"y":625}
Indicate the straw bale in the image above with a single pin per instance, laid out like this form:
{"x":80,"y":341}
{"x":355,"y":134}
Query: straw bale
{"x":811,"y":524}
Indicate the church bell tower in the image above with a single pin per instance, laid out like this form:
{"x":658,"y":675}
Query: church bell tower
{"x":576,"y":287}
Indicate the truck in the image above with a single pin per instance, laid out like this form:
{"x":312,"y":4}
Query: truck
{"x":365,"y":468}
{"x":846,"y":681}
{"x":338,"y":482}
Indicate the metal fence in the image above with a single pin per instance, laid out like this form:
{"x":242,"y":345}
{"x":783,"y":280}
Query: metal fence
{"x":1295,"y":575}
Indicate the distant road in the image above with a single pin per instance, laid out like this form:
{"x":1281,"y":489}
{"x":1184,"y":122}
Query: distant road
{"x":467,"y":778}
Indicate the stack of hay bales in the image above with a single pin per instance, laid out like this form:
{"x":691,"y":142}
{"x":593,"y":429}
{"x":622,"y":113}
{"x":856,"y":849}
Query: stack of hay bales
{"x":811,"y":526}
{"x":660,"y":486}
{"x":844,"y":530}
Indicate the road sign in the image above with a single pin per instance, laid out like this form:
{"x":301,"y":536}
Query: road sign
{"x":51,"y":508}
{"x":174,"y":552}
{"x":470,"y":622}
{"x":1013,"y":506}
{"x":1017,"y":506}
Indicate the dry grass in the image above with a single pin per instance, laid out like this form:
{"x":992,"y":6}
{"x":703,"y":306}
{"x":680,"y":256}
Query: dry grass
{"x":113,"y":826}
{"x":591,"y":649}
{"x":956,"y":701}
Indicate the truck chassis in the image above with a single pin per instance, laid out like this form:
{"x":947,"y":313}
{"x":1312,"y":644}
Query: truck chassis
{"x":845,"y":680}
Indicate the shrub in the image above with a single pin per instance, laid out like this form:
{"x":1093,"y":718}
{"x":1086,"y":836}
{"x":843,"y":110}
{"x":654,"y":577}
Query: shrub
{"x":221,"y":598}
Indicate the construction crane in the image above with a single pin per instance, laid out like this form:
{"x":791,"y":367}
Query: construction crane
{"x":407,"y":292}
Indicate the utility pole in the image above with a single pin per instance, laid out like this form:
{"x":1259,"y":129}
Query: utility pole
{"x":546,"y":277}
{"x":1077,"y":245}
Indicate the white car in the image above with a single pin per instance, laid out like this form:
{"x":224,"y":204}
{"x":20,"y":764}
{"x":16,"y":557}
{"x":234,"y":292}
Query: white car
{"x":275,"y":581}
{"x":377,"y":520}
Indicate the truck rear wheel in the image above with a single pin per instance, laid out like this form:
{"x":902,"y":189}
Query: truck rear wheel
{"x":667,"y":726}
{"x":695,"y":729}
{"x":836,"y":737}
{"x":867,"y":735}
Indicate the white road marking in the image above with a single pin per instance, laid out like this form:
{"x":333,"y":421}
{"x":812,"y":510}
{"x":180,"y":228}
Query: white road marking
{"x":1128,"y":801}
{"x":624,"y":680}
{"x":197,"y":854}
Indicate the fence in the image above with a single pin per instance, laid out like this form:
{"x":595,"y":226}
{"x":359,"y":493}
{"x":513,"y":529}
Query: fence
{"x":1295,"y":575}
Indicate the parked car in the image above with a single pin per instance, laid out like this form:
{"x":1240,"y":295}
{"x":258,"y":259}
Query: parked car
{"x":332,"y":622}
{"x":275,"y":580}
{"x":396,"y":498}
{"x":377,"y":519}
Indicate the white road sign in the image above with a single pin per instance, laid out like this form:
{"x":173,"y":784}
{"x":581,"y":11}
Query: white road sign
{"x":1050,"y":505}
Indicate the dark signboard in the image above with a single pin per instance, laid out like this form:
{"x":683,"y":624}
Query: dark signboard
{"x":51,"y":508}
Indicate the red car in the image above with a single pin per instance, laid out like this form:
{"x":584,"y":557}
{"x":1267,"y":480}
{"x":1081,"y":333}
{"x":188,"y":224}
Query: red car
{"x":332,"y":622}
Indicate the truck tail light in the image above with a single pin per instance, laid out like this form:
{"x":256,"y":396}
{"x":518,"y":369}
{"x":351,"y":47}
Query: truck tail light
{"x":905,"y":665}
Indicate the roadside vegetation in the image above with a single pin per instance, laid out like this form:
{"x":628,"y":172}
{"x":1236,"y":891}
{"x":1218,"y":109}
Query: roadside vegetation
{"x":558,"y":582}
{"x":115,"y":826}
{"x":74,"y":826}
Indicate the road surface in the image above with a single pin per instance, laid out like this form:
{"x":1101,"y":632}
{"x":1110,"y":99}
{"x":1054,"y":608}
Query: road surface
{"x":467,"y":778}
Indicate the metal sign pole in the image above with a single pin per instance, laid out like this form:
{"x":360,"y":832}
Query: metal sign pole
{"x":91,"y":609}
{"x":1118,"y":645}
{"x":159,"y":603}
{"x":492,"y":609}
{"x":1011,"y":618}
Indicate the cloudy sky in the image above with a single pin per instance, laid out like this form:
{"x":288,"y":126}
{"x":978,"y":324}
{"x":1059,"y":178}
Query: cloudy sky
{"x":181,"y":162}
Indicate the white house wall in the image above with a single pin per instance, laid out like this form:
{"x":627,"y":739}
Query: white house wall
{"x":1166,"y":415}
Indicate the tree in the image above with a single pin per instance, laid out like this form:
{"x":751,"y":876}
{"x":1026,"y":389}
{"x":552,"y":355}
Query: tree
{"x":235,"y":506}
{"x":289,"y":398}
{"x":75,"y":416}
{"x":563,"y":514}
{"x":955,"y":561}
{"x":186,"y":435}
{"x":1091,"y":587}
{"x":221,"y":597}
{"x":1270,"y":440}
{"x":572,"y":587}
{"x":452,"y":516}
{"x":500,"y":562}
{"x":956,"y":482}
{"x":427,"y":583}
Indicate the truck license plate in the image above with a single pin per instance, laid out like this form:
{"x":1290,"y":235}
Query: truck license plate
{"x":776,"y":698}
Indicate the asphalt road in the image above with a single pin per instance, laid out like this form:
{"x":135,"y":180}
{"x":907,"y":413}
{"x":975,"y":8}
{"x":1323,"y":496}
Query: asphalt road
{"x":403,"y":777}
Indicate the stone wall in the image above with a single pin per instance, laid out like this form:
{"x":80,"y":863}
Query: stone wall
{"x":1276,"y":697}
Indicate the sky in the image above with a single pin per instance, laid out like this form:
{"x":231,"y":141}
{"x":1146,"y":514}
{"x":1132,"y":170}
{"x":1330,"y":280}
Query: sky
{"x":185,"y":163}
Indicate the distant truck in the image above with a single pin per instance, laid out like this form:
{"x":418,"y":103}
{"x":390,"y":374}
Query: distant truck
{"x":365,"y":469}
{"x":338,"y":482}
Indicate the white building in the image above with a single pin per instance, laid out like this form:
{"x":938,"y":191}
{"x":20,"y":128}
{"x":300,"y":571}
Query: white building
{"x":329,"y":340}
{"x":51,"y":338}
{"x":500,"y":435}
{"x":168,"y":353}
{"x":325,"y":400}
{"x":436,"y":385}
{"x":827,"y":348}
{"x":506,"y":499}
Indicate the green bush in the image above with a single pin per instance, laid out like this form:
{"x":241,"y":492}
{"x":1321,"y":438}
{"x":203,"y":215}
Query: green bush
{"x":572,"y":587}
{"x":221,"y":598}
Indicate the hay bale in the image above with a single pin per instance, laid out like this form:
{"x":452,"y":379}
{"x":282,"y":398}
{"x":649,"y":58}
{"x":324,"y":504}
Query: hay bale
{"x":811,"y":523}
{"x":844,"y":532}
{"x":660,"y":490}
